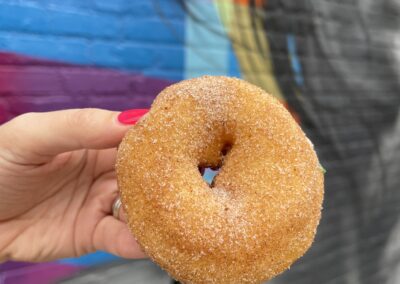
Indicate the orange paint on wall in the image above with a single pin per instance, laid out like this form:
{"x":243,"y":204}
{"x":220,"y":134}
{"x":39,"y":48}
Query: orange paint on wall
{"x":258,"y":3}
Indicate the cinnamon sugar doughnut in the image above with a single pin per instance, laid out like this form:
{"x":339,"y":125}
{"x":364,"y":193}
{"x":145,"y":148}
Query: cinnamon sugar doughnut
{"x":261,"y":212}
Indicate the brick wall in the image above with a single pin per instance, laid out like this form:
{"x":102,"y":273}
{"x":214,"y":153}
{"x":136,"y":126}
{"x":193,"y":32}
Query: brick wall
{"x":53,"y":54}
{"x":121,"y":34}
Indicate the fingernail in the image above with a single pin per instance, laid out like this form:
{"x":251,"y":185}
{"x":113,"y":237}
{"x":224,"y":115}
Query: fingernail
{"x":131,"y":116}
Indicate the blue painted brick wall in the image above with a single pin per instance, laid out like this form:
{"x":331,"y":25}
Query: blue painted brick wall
{"x":141,"y":36}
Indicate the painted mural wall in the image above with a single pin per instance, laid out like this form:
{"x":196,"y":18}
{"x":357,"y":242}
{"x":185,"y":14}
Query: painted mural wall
{"x":334,"y":64}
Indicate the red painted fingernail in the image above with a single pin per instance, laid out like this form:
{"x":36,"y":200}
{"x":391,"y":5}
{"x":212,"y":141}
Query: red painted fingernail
{"x":131,"y":116}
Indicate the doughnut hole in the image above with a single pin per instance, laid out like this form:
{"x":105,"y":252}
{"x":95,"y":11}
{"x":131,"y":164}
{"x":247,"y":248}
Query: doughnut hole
{"x":210,"y":172}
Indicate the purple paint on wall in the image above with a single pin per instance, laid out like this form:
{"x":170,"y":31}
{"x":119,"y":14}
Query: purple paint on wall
{"x":36,"y":273}
{"x":28,"y":84}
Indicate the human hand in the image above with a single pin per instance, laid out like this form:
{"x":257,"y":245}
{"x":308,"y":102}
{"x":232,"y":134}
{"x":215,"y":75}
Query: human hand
{"x":58,"y":184}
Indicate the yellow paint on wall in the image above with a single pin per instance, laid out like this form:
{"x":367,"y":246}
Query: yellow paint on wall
{"x":254,"y":60}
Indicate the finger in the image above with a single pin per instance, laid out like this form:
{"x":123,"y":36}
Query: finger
{"x":96,"y":227}
{"x":36,"y":135}
{"x":122,"y":215}
{"x":113,"y":236}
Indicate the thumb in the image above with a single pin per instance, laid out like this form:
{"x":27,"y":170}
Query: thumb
{"x":37,"y":135}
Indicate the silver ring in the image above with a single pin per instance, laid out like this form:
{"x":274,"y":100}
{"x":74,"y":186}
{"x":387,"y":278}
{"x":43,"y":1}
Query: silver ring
{"x":116,"y":208}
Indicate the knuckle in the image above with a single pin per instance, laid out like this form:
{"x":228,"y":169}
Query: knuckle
{"x":13,"y":142}
{"x":82,"y":117}
{"x":25,"y":119}
{"x":13,"y":128}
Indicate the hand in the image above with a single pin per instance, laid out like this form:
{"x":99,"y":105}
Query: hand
{"x":57,"y":185}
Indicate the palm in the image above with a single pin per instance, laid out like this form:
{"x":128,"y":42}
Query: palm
{"x":69,"y":201}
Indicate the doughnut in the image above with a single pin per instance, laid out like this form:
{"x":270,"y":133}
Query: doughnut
{"x":261,"y":211}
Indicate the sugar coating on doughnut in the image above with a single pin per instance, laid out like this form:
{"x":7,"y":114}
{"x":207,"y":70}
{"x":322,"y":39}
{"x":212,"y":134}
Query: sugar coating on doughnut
{"x":263,"y":208}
